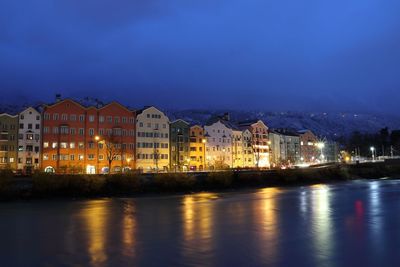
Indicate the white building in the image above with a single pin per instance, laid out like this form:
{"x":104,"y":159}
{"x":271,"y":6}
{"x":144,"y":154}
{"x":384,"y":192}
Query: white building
{"x":248,"y":153}
{"x":218,"y":145}
{"x":152,"y":140}
{"x":29,"y":140}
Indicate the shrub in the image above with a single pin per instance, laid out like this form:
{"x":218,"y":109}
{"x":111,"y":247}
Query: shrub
{"x":174,"y":182}
{"x":219,"y":179}
{"x":122,"y":183}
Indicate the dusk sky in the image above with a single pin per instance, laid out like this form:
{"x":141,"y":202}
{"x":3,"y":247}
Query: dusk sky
{"x":309,"y":55}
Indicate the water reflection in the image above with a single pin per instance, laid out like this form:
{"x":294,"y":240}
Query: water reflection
{"x":198,"y":220}
{"x":128,"y":229}
{"x":95,"y":215}
{"x":321,"y":223}
{"x":266,"y":216}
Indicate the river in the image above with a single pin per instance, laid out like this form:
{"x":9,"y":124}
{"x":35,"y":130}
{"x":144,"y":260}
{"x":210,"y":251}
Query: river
{"x":344,"y":224}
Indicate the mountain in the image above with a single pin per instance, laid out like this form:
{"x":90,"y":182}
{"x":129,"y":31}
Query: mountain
{"x":329,"y":125}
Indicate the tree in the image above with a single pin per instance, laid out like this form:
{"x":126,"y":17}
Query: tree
{"x":113,"y":150}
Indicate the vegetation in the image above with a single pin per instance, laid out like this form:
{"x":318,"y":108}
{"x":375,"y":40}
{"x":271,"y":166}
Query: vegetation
{"x":44,"y":185}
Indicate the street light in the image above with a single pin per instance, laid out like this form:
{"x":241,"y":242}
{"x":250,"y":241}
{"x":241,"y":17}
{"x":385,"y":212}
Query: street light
{"x":97,"y":139}
{"x":321,"y":146}
{"x":372,"y":152}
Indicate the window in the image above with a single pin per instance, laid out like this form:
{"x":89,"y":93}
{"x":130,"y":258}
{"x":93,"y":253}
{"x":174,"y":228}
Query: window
{"x":45,"y":156}
{"x":64,"y":117}
{"x":63,"y":145}
{"x":22,"y":117}
{"x":29,"y":148}
{"x":54,"y":145}
{"x":140,"y":124}
{"x":116,"y":120}
{"x":81,"y":118}
{"x":81,"y":131}
{"x":80,"y":157}
{"x":46,"y":116}
{"x":101,"y":157}
{"x":11,"y":160}
{"x":36,"y":149}
{"x":109,"y":119}
{"x":37,"y":117}
{"x":29,"y":136}
{"x":101,"y":119}
{"x":30,"y":126}
{"x":37,"y":126}
{"x":55,"y":117}
{"x":124,"y":119}
{"x":20,"y":136}
{"x":72,"y":117}
{"x":91,"y":131}
{"x":21,"y":126}
{"x":45,"y":144}
{"x":132,"y":120}
{"x":72,"y":131}
{"x":46,"y":130}
{"x":64,"y":130}
{"x":72,"y":145}
{"x":91,"y":118}
{"x":55,"y":130}
{"x":71,"y":157}
{"x":81,"y":145}
{"x":91,"y":145}
{"x":54,"y":157}
{"x":91,"y":157}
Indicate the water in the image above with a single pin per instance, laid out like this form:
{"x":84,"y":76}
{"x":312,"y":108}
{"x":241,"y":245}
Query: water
{"x":348,"y":224}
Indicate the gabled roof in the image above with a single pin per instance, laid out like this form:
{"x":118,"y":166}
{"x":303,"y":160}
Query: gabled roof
{"x":180,"y":120}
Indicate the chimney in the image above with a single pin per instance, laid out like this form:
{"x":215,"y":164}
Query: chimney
{"x":226,"y":116}
{"x":58,"y":98}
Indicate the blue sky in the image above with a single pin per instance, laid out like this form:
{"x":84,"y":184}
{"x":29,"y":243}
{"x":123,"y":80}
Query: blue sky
{"x":309,"y":55}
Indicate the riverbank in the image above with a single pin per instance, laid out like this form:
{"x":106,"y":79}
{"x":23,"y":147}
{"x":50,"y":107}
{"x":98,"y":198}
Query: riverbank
{"x":124,"y":185}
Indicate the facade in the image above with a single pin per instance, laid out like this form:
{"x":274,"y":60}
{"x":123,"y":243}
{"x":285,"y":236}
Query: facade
{"x":275,"y":140}
{"x":261,"y":149}
{"x":248,"y":154}
{"x":8,"y":141}
{"x":179,"y":146}
{"x":152,"y":140}
{"x":218,"y":144}
{"x":29,"y":140}
{"x":308,"y":146}
{"x":331,"y":152}
{"x":197,"y":152}
{"x":79,"y":139}
{"x":290,"y":147}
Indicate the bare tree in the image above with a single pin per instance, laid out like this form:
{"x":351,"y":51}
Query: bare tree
{"x":113,"y":150}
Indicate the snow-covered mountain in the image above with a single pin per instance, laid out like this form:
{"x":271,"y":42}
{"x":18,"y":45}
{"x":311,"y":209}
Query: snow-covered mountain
{"x":330,"y":125}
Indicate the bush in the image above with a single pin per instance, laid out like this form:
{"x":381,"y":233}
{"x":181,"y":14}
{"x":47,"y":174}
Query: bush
{"x":219,"y":179}
{"x":123,"y":183}
{"x":174,"y":182}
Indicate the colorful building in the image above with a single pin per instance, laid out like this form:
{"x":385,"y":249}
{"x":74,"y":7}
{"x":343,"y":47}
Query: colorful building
{"x":197,"y":151}
{"x":261,"y":149}
{"x":8,"y":141}
{"x":152,"y":140}
{"x":93,"y":139}
{"x":179,"y":146}
{"x":29,"y":140}
{"x":218,"y":133}
{"x":308,"y":146}
{"x":290,"y":147}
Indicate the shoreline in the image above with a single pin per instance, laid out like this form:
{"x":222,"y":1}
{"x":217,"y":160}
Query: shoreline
{"x":44,"y":186}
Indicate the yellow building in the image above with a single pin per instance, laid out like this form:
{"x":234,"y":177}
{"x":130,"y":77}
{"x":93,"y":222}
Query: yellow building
{"x":197,"y":148}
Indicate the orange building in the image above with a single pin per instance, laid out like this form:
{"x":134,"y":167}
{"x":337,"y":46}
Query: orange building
{"x":308,"y":146}
{"x":79,"y":139}
{"x":197,"y":148}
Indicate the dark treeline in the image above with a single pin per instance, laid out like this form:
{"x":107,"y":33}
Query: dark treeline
{"x":385,"y":142}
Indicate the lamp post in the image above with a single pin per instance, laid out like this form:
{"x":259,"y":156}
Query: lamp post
{"x":321,"y":146}
{"x":97,"y":138}
{"x":372,"y":152}
{"x":204,"y":141}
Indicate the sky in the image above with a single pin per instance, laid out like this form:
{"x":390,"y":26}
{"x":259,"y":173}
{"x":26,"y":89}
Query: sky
{"x":309,"y":55}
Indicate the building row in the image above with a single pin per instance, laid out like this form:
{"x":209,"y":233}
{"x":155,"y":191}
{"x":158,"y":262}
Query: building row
{"x":69,"y":137}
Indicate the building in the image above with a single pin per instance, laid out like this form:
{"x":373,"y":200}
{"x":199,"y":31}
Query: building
{"x":29,"y":140}
{"x":248,"y":154}
{"x":197,"y":151}
{"x":275,"y":140}
{"x":87,"y":139}
{"x":218,"y":133}
{"x":179,"y":146}
{"x":290,"y":147}
{"x":8,"y":141}
{"x":261,"y":149}
{"x":152,"y":140}
{"x":331,"y":152}
{"x":308,"y":146}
